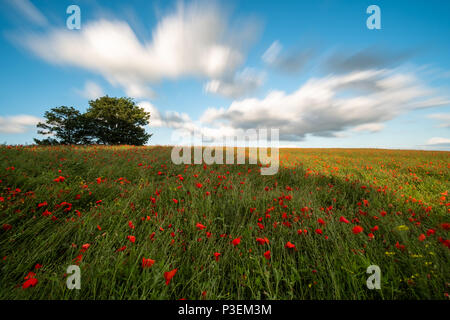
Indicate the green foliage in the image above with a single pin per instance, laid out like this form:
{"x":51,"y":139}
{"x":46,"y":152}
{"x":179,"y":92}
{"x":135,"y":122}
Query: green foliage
{"x":108,"y":120}
{"x":138,"y":184}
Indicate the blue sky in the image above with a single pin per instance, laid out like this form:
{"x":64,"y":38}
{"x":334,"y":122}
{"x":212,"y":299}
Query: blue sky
{"x":310,"y":68}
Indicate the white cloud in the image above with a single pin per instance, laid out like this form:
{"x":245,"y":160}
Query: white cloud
{"x":438,"y":141}
{"x":272,"y":53}
{"x":243,"y":83}
{"x":288,"y":61}
{"x":369,"y":127}
{"x":18,"y":123}
{"x":443,"y":118}
{"x":327,"y":106}
{"x":29,"y":11}
{"x":195,"y":40}
{"x":91,"y":90}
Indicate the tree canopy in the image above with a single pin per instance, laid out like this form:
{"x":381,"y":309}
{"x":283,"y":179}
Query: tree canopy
{"x":108,"y":120}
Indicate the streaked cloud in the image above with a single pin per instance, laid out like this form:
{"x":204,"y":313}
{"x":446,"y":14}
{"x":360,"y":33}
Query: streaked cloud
{"x":91,"y":90}
{"x":18,"y":123}
{"x":438,"y":142}
{"x":195,"y":40}
{"x":442,"y":118}
{"x":29,"y":12}
{"x":243,"y":83}
{"x":331,"y":104}
{"x":286,"y":61}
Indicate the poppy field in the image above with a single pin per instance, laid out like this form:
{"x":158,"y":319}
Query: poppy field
{"x":140,"y":227}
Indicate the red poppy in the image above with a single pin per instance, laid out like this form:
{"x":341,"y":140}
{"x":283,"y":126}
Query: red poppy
{"x":43,"y":204}
{"x":131,"y":238}
{"x":236,"y":241}
{"x":216,"y":255}
{"x":200,"y":226}
{"x":289,"y":245}
{"x":321,"y":221}
{"x":319,"y":231}
{"x":267,"y":254}
{"x":357,"y":229}
{"x":169,"y":275}
{"x":121,"y":249}
{"x":422,"y":237}
{"x":30,"y":283}
{"x":262,"y":241}
{"x":59,"y":179}
{"x":147,"y":263}
{"x":342,"y":219}
{"x":84,"y":247}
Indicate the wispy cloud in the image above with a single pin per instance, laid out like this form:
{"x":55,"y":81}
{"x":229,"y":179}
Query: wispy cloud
{"x":286,"y":61}
{"x":438,"y":142}
{"x":196,"y":40}
{"x":331,"y":104}
{"x":91,"y":90}
{"x":29,"y":12}
{"x":17,"y":124}
{"x":442,"y":118}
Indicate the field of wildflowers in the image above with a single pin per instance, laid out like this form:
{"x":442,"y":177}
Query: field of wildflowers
{"x":140,"y":227}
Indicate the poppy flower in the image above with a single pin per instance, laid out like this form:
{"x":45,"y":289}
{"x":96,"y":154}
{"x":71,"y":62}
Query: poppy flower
{"x":147,"y":263}
{"x":319,"y":231}
{"x":400,"y":246}
{"x":30,"y":283}
{"x":262,"y":241}
{"x":236,"y":241}
{"x":131,"y":238}
{"x":216,"y":255}
{"x":121,"y":249}
{"x":175,"y":201}
{"x":200,"y":226}
{"x":342,"y":219}
{"x":289,"y":245}
{"x":422,"y":237}
{"x":357,"y":229}
{"x":169,"y":275}
{"x":321,"y":221}
{"x":59,"y":179}
{"x":267,"y":254}
{"x":85,"y":246}
{"x":42,"y":204}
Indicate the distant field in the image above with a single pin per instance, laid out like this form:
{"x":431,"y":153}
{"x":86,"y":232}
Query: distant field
{"x":308,"y":232}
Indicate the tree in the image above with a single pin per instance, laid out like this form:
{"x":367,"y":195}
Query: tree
{"x":66,"y":125}
{"x":108,"y":120}
{"x":118,"y":121}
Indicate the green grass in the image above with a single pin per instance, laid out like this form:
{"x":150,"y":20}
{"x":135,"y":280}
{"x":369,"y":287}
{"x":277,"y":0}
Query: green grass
{"x":409,"y":186}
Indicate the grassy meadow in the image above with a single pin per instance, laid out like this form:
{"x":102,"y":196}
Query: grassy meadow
{"x":141,"y":227}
